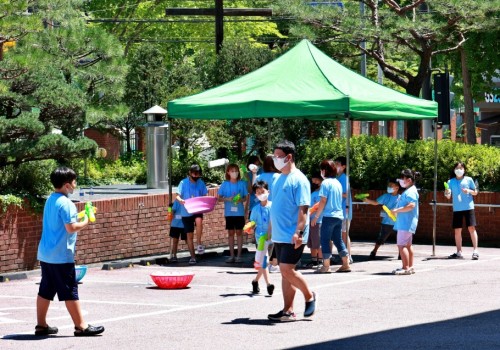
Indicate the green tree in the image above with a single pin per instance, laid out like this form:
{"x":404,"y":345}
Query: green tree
{"x":401,"y":36}
{"x":57,"y":69}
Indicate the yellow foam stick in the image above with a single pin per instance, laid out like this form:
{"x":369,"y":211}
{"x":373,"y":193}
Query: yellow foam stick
{"x":248,"y":226}
{"x":391,"y":215}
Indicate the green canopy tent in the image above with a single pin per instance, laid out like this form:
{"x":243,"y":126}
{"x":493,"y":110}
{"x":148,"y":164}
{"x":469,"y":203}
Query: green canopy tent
{"x":303,"y":83}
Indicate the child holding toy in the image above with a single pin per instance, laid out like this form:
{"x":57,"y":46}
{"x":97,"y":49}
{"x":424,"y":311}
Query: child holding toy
{"x":233,"y":192}
{"x":313,"y":242}
{"x":462,"y":189}
{"x":56,"y":253}
{"x":406,"y":213}
{"x":260,"y":215}
{"x":190,"y":187}
{"x":176,"y":230}
{"x":390,"y":200}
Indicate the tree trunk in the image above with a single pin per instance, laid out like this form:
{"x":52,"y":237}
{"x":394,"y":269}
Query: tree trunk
{"x":468,"y":102}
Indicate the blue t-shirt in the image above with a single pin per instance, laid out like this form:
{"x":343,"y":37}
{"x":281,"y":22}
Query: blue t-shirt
{"x":390,"y":202}
{"x":289,"y":192}
{"x":57,"y":246}
{"x":408,"y":221}
{"x":462,"y":201}
{"x":230,"y":189}
{"x":315,"y":199}
{"x":261,"y":216}
{"x":253,"y":198}
{"x":188,"y":189}
{"x":331,"y":189}
{"x":176,"y":211}
{"x":343,"y":181}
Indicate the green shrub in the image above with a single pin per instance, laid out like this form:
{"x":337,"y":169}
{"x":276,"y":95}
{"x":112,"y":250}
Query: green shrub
{"x":374,"y":159}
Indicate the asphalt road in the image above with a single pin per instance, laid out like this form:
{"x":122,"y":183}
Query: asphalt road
{"x":447,"y":304}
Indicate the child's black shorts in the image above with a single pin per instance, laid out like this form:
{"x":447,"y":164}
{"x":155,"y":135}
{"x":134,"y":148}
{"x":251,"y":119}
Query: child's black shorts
{"x":189,"y":221}
{"x":178,"y":232}
{"x":235,"y":222}
{"x":58,"y":279}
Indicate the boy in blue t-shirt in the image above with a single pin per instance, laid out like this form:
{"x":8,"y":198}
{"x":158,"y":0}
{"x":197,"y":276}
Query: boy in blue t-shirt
{"x":390,"y":200}
{"x":261,"y":216}
{"x":176,"y":230}
{"x":56,"y":253}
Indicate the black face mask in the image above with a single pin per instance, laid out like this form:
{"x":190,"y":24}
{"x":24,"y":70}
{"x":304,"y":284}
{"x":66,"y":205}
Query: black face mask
{"x":314,"y":187}
{"x":195,"y":178}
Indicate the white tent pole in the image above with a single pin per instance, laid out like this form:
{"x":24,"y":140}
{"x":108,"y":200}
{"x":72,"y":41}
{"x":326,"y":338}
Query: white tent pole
{"x":347,"y":168}
{"x":434,"y":198}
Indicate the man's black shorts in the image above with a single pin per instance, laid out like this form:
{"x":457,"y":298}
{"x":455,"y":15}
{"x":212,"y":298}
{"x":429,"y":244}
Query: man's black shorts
{"x":287,"y":254}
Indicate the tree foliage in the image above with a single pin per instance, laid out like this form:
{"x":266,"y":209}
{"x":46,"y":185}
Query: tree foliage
{"x":402,"y":37}
{"x":57,"y":69}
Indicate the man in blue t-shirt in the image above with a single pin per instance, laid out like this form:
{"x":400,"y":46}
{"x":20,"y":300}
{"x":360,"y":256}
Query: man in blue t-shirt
{"x":290,"y":229}
{"x":56,"y":253}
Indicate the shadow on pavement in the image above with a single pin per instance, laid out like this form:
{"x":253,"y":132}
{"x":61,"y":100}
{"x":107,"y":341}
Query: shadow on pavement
{"x":481,"y":333}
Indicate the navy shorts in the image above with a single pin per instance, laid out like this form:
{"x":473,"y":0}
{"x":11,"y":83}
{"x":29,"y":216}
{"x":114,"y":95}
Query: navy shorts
{"x":178,"y":232}
{"x":235,"y":222}
{"x":287,"y":254}
{"x":385,"y":232}
{"x":58,"y":279}
{"x":468,"y":215}
{"x":188,"y":222}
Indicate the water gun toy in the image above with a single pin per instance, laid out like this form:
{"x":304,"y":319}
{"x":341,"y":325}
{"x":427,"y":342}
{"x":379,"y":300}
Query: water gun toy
{"x":248,"y":226}
{"x":170,"y":214}
{"x":236,"y":199}
{"x":389,"y":213}
{"x":446,"y":186}
{"x":314,"y":208}
{"x":361,"y":196}
{"x":89,"y":210}
{"x":260,"y":254}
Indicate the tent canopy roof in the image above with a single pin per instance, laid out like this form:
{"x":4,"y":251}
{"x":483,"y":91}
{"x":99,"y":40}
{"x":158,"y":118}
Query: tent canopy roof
{"x":302,"y":83}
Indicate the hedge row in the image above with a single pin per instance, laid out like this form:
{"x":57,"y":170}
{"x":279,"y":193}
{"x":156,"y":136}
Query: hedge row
{"x":374,"y":159}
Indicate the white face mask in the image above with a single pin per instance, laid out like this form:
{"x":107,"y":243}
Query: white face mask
{"x":234,"y":175}
{"x":390,"y":190}
{"x":323,"y":175}
{"x":402,"y":183}
{"x":459,"y":172}
{"x":263,"y":197}
{"x":279,"y":163}
{"x":339,"y":170}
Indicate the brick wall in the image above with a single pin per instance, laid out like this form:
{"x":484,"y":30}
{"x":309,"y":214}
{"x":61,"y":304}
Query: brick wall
{"x":136,"y":226}
{"x":107,"y":140}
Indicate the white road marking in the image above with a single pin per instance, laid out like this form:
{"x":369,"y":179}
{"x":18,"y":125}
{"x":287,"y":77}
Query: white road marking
{"x":228,"y":301}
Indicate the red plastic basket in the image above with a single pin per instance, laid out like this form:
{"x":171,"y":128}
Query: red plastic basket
{"x":172,"y":281}
{"x":199,"y":205}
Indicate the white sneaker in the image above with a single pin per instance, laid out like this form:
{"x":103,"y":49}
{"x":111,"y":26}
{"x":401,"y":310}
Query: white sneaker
{"x":201,"y":249}
{"x":274,"y":269}
{"x":402,"y":272}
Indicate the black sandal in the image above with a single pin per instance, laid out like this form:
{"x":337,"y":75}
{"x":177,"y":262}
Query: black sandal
{"x":89,"y":331}
{"x":41,"y":330}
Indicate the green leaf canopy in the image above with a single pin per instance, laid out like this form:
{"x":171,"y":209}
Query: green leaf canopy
{"x":302,"y":83}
